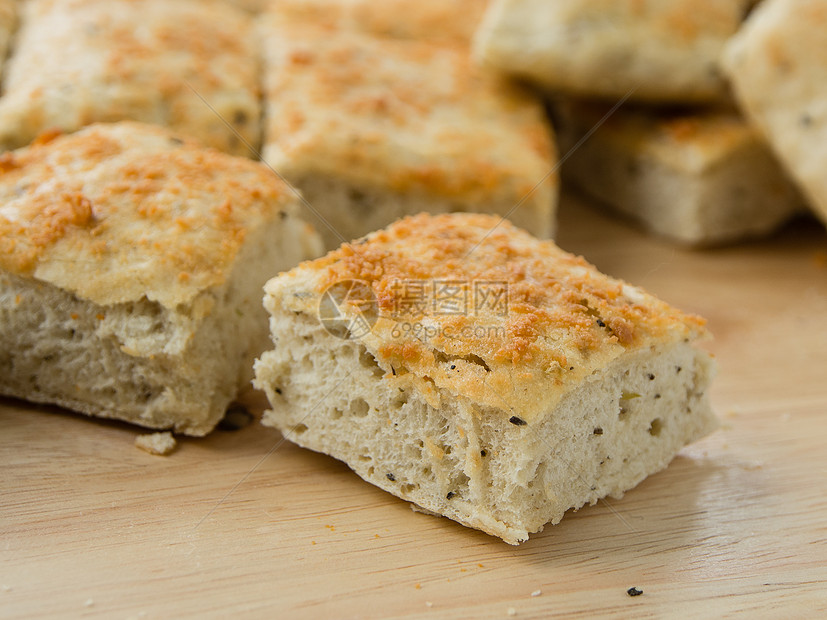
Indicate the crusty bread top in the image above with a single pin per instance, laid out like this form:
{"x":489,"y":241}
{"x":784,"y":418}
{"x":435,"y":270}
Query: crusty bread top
{"x":399,"y":115}
{"x":565,"y":320}
{"x":117,"y":212}
{"x":691,"y":141}
{"x":454,"y":21}
{"x":82,"y":61}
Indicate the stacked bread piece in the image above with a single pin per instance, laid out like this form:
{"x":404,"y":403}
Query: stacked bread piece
{"x":680,"y":160}
{"x":131,"y":267}
{"x":481,"y":373}
{"x":188,"y":65}
{"x":379,"y":118}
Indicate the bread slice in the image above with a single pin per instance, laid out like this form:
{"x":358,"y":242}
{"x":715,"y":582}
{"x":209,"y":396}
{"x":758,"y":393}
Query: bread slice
{"x":654,"y":51}
{"x":371,"y":129}
{"x":698,"y":178}
{"x":8,"y":21}
{"x":778,"y":67}
{"x":131,"y":267}
{"x":82,"y":61}
{"x":438,"y":21}
{"x":480,"y":373}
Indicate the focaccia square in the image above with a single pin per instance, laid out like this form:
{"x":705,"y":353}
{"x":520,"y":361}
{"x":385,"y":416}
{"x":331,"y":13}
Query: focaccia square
{"x":480,"y":373}
{"x":188,"y":65}
{"x":371,"y":129}
{"x":131,"y":267}
{"x":699,"y":177}
{"x":652,"y":50}
{"x":778,"y":67}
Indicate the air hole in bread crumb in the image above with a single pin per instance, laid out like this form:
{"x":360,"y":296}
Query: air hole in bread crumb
{"x":655,"y":427}
{"x":400,"y":400}
{"x":359,"y":408}
{"x":407,"y":488}
{"x":336,"y":413}
{"x":443,"y":358}
{"x":299,"y":429}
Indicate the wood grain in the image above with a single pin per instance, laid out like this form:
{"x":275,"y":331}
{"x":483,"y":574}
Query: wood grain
{"x":240,"y":523}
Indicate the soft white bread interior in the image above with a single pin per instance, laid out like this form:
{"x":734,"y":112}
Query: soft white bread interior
{"x":501,"y":417}
{"x":696,"y":177}
{"x":130,"y":274}
{"x":371,"y":128}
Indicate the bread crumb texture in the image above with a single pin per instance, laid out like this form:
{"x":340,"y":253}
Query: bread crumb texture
{"x":115,"y":213}
{"x":160,"y":444}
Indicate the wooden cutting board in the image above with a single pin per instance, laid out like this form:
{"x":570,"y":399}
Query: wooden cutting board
{"x":241,"y":523}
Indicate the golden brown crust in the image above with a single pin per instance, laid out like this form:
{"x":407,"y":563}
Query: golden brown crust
{"x":401,"y":115}
{"x":117,"y":212}
{"x":77,"y":62}
{"x":564,"y":319}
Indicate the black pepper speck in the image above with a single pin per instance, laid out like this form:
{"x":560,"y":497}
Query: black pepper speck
{"x":391,"y":477}
{"x":633,"y":591}
{"x":517,"y":421}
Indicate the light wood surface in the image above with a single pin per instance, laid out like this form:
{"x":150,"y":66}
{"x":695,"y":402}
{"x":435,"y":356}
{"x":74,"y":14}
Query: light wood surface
{"x":240,"y":523}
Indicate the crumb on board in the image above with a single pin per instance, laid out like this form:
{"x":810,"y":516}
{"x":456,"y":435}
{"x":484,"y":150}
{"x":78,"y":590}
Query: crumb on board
{"x":511,"y":611}
{"x":160,"y":444}
{"x":633,"y":591}
{"x":89,"y":602}
{"x":536,"y":593}
{"x":428,"y":604}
